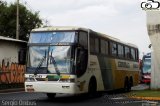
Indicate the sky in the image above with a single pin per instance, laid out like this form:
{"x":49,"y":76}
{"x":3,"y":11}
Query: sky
{"x":123,"y":19}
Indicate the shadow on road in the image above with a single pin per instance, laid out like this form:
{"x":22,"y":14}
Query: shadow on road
{"x":70,"y":99}
{"x":79,"y":98}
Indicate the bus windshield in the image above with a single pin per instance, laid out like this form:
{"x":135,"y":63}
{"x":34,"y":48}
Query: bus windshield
{"x":50,"y":58}
{"x":52,"y":37}
{"x":147,"y":65}
{"x":58,"y":58}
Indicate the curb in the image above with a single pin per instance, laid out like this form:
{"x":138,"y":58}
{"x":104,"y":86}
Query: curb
{"x":12,"y":90}
{"x":147,"y":98}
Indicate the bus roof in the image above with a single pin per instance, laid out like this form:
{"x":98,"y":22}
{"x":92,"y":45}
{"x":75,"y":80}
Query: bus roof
{"x":62,"y":28}
{"x":59,"y":28}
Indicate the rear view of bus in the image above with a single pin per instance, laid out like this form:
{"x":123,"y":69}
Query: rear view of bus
{"x":53,"y":54}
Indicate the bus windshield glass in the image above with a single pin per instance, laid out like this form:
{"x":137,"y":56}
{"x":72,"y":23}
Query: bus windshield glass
{"x":48,"y":58}
{"x":57,"y":58}
{"x":52,"y":37}
{"x":147,"y":65}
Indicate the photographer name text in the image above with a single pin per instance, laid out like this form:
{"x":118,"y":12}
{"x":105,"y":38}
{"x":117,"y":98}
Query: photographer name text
{"x":18,"y":103}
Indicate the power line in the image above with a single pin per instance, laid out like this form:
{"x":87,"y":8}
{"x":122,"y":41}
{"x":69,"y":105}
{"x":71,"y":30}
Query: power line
{"x":28,"y":6}
{"x":44,"y":20}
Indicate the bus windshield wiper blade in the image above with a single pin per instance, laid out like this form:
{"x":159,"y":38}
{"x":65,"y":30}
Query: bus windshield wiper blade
{"x":40,"y":63}
{"x":55,"y":64}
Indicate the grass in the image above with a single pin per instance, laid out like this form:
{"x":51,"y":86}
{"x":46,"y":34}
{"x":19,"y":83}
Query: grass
{"x":145,"y":93}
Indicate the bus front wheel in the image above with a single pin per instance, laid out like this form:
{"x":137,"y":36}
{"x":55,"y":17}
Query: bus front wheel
{"x":51,"y":95}
{"x":92,"y":87}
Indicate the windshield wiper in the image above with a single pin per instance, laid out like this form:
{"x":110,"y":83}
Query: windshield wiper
{"x":40,"y":63}
{"x":55,"y":64}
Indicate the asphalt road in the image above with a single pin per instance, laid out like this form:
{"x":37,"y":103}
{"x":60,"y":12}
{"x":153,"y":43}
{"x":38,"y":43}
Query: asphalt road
{"x":40,"y":99}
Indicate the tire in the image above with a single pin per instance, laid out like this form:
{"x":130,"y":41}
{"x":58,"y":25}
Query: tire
{"x":92,"y":87}
{"x":127,"y":85}
{"x":51,"y":95}
{"x":131,"y":81}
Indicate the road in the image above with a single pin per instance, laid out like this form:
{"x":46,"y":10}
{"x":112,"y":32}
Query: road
{"x":40,"y":99}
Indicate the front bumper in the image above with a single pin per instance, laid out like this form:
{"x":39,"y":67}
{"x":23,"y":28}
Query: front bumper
{"x":51,"y":87}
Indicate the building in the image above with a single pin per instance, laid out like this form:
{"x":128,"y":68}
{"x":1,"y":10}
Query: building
{"x":153,"y":27}
{"x":12,"y":62}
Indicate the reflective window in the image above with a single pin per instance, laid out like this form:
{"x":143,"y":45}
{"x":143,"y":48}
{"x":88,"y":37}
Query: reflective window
{"x":147,"y":65}
{"x":38,"y":56}
{"x":92,"y":44}
{"x":83,"y":39}
{"x":59,"y":59}
{"x":114,"y":49}
{"x":96,"y":45}
{"x":104,"y":47}
{"x":133,"y":54}
{"x":127,"y":53}
{"x":120,"y":51}
{"x":52,"y":37}
{"x":137,"y":55}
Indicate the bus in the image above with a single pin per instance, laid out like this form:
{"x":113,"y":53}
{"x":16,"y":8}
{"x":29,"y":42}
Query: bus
{"x":77,"y":60}
{"x":146,"y":68}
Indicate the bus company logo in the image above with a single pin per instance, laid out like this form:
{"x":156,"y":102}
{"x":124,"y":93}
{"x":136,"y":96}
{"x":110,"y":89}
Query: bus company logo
{"x":35,"y":76}
{"x":150,"y":5}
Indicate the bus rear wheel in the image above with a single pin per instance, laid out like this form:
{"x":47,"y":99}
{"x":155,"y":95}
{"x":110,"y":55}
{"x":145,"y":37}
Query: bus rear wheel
{"x":131,"y":81}
{"x":51,"y":95}
{"x":127,"y":85}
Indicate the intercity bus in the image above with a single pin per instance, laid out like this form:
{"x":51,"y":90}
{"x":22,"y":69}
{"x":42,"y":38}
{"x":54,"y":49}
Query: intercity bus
{"x":77,"y":60}
{"x":146,"y":68}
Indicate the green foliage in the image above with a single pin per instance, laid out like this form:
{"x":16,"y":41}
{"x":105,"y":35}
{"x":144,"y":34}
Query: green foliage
{"x":27,"y":20}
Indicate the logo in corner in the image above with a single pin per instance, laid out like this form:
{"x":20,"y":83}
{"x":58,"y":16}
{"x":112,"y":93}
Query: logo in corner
{"x":150,"y":5}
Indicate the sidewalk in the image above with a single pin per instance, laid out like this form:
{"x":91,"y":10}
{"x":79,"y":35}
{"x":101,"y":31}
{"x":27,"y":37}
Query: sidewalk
{"x":12,"y":90}
{"x":140,"y":87}
{"x":143,"y":92}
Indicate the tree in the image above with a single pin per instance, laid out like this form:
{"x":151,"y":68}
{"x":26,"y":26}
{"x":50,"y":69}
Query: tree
{"x":28,"y":21}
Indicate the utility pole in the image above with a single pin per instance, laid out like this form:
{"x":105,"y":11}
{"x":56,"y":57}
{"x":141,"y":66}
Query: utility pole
{"x":17,"y":22}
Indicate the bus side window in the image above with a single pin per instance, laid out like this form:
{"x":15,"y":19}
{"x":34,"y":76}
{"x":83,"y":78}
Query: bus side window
{"x":133,"y":54}
{"x":96,"y":45}
{"x":104,"y":47}
{"x":127,"y":53}
{"x":92,"y":44}
{"x":113,"y":48}
{"x":83,"y":39}
{"x":137,"y":55}
{"x":120,"y":51}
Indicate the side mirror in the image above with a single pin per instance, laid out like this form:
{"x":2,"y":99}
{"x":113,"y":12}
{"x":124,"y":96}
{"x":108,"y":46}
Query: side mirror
{"x":77,"y":53}
{"x":150,"y":45}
